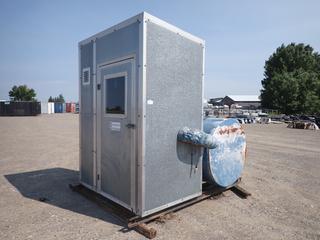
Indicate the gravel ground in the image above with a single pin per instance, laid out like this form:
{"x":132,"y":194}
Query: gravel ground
{"x":39,"y":158}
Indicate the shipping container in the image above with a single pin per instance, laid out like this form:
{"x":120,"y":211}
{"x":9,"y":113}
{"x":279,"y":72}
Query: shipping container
{"x":68,"y":107}
{"x":21,"y":108}
{"x":58,"y":107}
{"x":73,"y":107}
{"x":44,"y":107}
{"x":140,"y":82}
{"x":50,"y":107}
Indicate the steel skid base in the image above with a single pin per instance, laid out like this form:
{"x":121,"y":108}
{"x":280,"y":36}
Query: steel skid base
{"x":139,"y":224}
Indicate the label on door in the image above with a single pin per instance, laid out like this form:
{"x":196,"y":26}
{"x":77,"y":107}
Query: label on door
{"x":115,"y":126}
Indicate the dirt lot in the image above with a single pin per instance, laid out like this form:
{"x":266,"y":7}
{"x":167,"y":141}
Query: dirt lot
{"x":39,"y":158}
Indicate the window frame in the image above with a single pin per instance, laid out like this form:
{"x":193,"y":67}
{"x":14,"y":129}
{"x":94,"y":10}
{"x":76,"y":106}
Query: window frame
{"x":105,"y":79}
{"x":89,"y":76}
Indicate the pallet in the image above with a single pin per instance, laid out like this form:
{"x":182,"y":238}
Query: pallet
{"x":139,"y":224}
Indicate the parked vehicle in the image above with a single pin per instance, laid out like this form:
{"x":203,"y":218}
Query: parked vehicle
{"x":265,"y":120}
{"x":241,"y":120}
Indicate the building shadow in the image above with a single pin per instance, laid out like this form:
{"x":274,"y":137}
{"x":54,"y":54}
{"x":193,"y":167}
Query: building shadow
{"x":52,"y":187}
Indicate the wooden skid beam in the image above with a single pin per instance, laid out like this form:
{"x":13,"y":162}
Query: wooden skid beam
{"x":146,"y":231}
{"x":239,"y":191}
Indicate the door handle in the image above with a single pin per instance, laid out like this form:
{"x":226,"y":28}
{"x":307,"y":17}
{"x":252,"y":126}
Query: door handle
{"x":130,"y":125}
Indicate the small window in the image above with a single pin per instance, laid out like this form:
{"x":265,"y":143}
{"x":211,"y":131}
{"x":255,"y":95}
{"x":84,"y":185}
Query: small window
{"x":86,"y":76}
{"x":115,"y":95}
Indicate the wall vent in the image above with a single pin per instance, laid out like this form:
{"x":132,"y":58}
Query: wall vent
{"x":86,"y":76}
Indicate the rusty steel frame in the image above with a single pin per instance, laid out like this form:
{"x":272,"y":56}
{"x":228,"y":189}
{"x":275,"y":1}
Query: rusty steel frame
{"x":139,"y":224}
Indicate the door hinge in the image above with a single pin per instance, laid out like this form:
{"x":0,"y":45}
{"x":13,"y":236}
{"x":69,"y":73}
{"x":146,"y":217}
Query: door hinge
{"x":98,"y":86}
{"x":98,"y":177}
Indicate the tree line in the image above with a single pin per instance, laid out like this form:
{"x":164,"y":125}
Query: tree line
{"x":23,"y":93}
{"x":60,"y":98}
{"x":291,"y":81}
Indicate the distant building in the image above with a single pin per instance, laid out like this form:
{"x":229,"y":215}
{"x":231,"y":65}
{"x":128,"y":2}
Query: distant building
{"x":242,"y":101}
{"x":216,"y":101}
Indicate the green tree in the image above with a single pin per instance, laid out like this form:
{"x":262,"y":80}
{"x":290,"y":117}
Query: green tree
{"x":291,"y":81}
{"x":22,"y":93}
{"x":60,"y":98}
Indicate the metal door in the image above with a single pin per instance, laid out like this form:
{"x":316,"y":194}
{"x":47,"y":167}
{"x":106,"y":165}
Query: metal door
{"x":116,"y":126}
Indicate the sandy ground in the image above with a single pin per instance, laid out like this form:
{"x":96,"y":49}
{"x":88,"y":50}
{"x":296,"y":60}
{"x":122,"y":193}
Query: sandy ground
{"x":39,"y":158}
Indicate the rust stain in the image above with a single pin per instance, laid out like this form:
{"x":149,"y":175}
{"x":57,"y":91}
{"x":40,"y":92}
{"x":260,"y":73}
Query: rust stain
{"x":242,"y":130}
{"x":245,"y":152}
{"x":229,"y":130}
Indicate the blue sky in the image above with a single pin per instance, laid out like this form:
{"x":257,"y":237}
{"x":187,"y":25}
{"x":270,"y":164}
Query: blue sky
{"x":38,"y":41}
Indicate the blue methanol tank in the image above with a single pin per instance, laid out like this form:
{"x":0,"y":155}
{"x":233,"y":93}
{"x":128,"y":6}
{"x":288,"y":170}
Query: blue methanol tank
{"x":224,"y":163}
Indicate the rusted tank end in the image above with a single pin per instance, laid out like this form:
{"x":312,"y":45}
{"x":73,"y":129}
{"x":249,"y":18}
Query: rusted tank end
{"x":224,"y":164}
